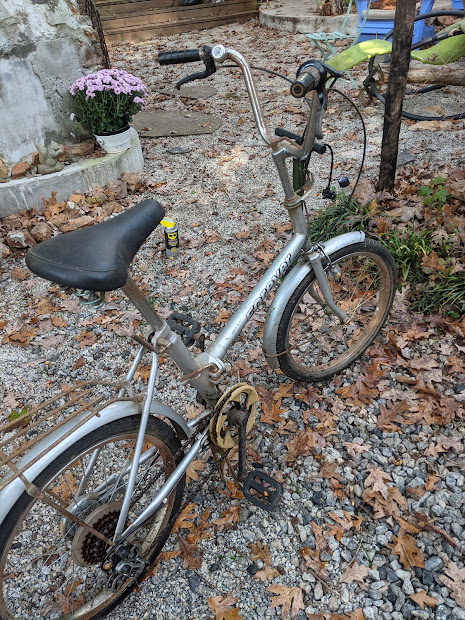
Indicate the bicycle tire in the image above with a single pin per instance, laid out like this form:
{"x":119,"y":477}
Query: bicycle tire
{"x":34,"y":538}
{"x":417,"y":101}
{"x":311,"y":343}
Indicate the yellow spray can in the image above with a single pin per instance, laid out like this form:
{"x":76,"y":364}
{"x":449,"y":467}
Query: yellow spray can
{"x":171,"y":237}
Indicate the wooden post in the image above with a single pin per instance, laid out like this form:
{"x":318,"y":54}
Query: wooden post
{"x":400,"y":59}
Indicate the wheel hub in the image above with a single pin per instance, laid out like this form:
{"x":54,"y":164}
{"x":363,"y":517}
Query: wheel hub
{"x":86,"y":548}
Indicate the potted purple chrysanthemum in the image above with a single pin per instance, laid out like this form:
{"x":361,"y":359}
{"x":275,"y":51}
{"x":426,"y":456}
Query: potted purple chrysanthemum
{"x":105,"y":103}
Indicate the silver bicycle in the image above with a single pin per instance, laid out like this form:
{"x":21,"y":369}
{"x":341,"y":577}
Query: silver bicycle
{"x":92,"y":485}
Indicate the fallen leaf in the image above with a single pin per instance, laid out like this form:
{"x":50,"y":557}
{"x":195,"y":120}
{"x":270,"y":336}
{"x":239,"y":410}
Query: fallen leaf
{"x":422,"y":599}
{"x":289,"y":598}
{"x":185,"y":518}
{"x":409,"y":554}
{"x":228,"y":518}
{"x":355,"y":572}
{"x":194,"y":467}
{"x":259,"y":551}
{"x":267,"y":573}
{"x":454,"y":579}
{"x":192,"y":558}
{"x":222,"y":607}
{"x":376,"y":480}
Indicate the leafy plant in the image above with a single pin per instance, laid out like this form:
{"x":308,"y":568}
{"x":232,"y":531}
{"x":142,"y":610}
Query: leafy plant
{"x":342,"y":215}
{"x":14,"y":415}
{"x":107,"y":100}
{"x":407,"y":249}
{"x":446,"y":292}
{"x":435,"y":193}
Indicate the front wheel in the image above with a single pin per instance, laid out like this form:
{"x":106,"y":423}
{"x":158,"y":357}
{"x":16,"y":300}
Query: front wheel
{"x":49,"y":565}
{"x":312,"y":343}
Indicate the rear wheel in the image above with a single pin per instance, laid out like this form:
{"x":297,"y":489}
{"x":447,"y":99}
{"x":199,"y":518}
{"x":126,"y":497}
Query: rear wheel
{"x":49,"y":565}
{"x":312,"y":343}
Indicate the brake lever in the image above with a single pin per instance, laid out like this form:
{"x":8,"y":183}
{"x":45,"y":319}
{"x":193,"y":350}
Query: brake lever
{"x":210,"y":68}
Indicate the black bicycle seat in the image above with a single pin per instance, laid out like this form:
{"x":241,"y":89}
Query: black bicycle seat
{"x":96,"y":258}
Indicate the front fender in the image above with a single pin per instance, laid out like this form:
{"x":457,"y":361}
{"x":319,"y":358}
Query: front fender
{"x":288,"y":286}
{"x":115,"y":411}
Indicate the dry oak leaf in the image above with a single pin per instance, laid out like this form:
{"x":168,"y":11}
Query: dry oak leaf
{"x":356,"y":572}
{"x":454,"y":579}
{"x":199,"y":531}
{"x":422,"y":599}
{"x":289,"y":598}
{"x":185,"y":518}
{"x":193,"y":468}
{"x":221,"y":606}
{"x":228,"y":518}
{"x":20,"y":339}
{"x":376,"y":480}
{"x":266,"y":573}
{"x":313,"y":563}
{"x":192,"y":557}
{"x":409,"y":554}
{"x":260,"y":551}
{"x":354,"y":448}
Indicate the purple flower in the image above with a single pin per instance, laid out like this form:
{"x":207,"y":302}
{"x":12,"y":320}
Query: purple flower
{"x":108,"y":99}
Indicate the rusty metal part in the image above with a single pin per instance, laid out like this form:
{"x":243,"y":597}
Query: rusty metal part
{"x":239,"y":397}
{"x":41,"y":421}
{"x":143,"y":342}
{"x":86,"y":550}
{"x":91,"y":10}
{"x":197,"y":372}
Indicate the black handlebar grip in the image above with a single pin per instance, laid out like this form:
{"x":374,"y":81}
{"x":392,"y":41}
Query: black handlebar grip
{"x":178,"y":57}
{"x":308,"y":80}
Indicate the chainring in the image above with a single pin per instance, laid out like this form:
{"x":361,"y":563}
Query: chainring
{"x":241,"y":396}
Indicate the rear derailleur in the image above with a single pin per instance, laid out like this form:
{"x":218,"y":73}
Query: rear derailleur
{"x":123,"y":562}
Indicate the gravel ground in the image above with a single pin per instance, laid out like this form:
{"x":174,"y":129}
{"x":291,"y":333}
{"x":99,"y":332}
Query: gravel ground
{"x":224,"y":194}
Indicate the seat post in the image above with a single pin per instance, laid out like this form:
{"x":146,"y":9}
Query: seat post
{"x":135,"y":296}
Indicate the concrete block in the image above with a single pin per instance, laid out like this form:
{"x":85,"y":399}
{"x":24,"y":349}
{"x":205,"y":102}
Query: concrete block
{"x":26,"y":193}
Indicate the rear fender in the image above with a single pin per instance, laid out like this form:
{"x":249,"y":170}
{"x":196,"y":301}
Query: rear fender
{"x":115,"y":411}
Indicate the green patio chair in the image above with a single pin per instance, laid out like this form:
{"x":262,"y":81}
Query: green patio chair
{"x":329,"y":39}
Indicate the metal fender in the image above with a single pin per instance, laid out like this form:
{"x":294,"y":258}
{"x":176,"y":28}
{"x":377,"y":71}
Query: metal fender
{"x":115,"y":411}
{"x":288,"y":286}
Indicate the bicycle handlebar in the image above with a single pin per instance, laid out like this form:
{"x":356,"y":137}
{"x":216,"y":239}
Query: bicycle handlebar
{"x":177,"y":57}
{"x":310,"y":76}
{"x":307,"y":80}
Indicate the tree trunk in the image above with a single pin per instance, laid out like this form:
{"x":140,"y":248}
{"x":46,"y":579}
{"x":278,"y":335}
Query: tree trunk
{"x":400,"y":60}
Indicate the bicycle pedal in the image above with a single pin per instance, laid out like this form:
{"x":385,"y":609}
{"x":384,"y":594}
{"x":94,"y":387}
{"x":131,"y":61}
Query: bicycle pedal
{"x":262,"y":490}
{"x":187,"y":328}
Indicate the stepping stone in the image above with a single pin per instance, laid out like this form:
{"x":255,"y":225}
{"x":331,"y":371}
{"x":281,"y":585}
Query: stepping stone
{"x":405,"y":157}
{"x":191,"y":92}
{"x":158,"y":123}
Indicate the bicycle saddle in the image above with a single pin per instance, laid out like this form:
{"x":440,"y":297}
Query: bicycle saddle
{"x":96,"y":258}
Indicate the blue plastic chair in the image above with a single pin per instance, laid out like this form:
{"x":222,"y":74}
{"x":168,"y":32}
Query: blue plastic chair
{"x":378,"y":28}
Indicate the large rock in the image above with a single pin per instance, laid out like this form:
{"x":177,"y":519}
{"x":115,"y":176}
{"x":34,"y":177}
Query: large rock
{"x":44,"y":47}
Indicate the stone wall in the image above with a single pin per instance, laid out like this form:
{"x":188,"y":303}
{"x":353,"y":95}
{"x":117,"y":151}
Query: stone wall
{"x":44,"y":46}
